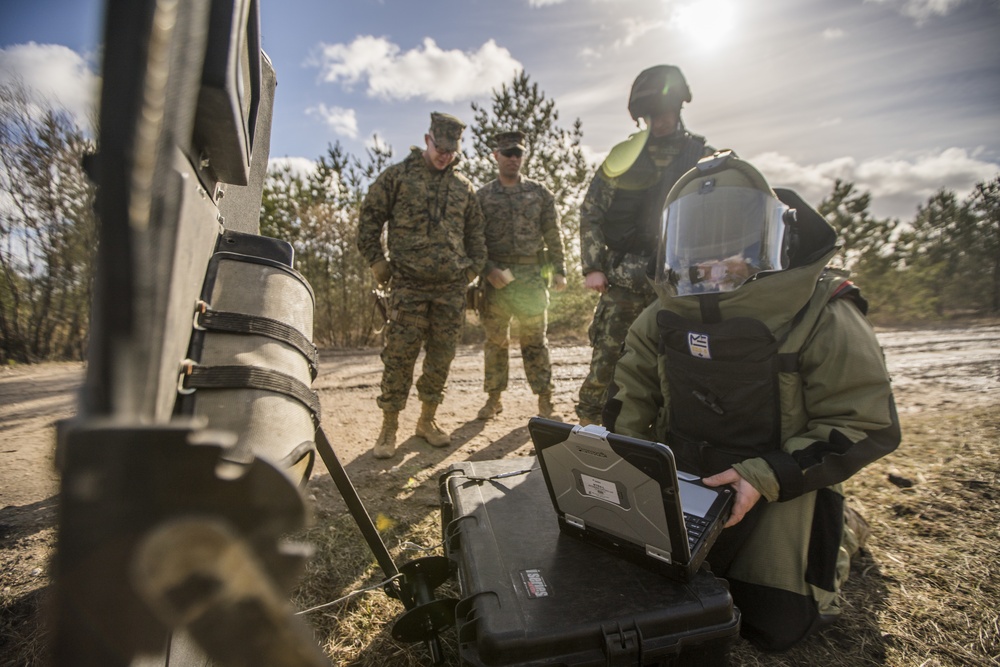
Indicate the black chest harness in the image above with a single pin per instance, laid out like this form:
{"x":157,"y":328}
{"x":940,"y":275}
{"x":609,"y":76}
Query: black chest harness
{"x":632,"y":222}
{"x":723,"y":384}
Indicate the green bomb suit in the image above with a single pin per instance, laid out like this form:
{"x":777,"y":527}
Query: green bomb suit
{"x":834,"y":414}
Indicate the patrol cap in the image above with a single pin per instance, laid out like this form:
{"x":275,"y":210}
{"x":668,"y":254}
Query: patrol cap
{"x":446,"y":130}
{"x":506,"y":140}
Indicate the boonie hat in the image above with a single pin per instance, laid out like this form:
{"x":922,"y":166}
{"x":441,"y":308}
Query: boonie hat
{"x":446,"y":130}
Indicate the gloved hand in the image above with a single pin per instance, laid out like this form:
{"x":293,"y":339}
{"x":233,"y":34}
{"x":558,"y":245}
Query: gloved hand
{"x":559,"y":282}
{"x":381,"y":271}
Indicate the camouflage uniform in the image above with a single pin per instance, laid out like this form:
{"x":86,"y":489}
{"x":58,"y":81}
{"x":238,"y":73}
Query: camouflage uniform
{"x":635,"y":197}
{"x":436,"y":247}
{"x":521,"y":223}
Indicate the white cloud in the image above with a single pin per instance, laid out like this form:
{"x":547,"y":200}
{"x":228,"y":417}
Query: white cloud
{"x":952,"y":168}
{"x":922,"y":10}
{"x":544,"y":3}
{"x":832,"y":34}
{"x":897,"y":183}
{"x":299,"y":166}
{"x":634,"y":29}
{"x":57,"y":77}
{"x":342,"y":121}
{"x":427,"y":71}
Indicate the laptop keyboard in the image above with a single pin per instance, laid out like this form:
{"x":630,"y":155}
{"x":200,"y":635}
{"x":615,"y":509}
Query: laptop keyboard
{"x":696,"y":527}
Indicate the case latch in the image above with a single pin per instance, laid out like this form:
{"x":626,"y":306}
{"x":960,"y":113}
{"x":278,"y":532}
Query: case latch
{"x":622,"y":646}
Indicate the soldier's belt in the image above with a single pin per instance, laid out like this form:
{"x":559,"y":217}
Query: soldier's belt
{"x":395,"y":315}
{"x":524,"y":260}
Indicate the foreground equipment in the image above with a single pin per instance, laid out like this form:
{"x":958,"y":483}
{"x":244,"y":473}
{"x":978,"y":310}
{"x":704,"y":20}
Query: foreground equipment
{"x":197,"y":424}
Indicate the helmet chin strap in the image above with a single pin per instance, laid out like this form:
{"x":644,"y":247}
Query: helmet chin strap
{"x":711,"y":313}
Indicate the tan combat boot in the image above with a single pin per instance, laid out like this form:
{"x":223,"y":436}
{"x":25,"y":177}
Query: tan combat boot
{"x":428,"y":429}
{"x":493,"y":407}
{"x":545,"y":408}
{"x":385,"y":446}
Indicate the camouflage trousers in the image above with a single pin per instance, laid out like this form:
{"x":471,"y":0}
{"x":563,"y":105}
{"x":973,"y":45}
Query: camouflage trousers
{"x":420,"y":319}
{"x":524,"y":300}
{"x":616,"y":310}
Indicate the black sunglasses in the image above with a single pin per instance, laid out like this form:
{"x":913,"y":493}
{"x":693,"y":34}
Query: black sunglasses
{"x":512,"y":152}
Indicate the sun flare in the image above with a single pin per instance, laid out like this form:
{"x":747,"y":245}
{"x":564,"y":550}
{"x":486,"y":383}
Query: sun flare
{"x":707,"y":22}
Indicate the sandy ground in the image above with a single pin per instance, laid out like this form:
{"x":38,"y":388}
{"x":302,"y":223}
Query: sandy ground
{"x":932,"y":369}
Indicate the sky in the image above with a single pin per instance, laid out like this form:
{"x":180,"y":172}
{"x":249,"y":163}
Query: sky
{"x":900,"y":97}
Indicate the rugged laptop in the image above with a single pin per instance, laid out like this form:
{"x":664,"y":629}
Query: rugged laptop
{"x":627,"y":495}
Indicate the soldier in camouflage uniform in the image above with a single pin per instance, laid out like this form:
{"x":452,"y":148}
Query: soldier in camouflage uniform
{"x":521,"y":224}
{"x":620,"y":218}
{"x":435,"y":248}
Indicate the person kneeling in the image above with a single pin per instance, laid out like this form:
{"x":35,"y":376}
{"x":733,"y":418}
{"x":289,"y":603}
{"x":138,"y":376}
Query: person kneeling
{"x":758,"y":367}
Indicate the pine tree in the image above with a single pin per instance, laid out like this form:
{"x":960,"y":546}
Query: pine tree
{"x":48,"y":229}
{"x":318,"y":214}
{"x":979,"y":273}
{"x":554,"y":154}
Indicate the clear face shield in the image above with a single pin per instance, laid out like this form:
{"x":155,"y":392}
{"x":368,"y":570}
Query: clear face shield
{"x":714,"y":240}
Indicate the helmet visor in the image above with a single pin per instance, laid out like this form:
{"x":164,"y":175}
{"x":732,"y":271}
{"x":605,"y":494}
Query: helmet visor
{"x":714,"y":241}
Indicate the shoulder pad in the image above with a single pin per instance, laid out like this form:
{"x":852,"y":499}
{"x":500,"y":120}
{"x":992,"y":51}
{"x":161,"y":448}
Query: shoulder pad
{"x":839,"y":287}
{"x":624,"y":155}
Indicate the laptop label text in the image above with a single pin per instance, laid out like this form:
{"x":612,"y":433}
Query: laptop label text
{"x":600,"y":489}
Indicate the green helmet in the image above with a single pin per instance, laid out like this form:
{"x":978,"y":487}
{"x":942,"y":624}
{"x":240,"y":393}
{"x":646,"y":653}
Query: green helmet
{"x":722,"y":225}
{"x":658,"y":89}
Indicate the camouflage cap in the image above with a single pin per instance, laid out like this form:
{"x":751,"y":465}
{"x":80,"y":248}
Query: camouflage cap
{"x":505,"y":140}
{"x":446,"y":130}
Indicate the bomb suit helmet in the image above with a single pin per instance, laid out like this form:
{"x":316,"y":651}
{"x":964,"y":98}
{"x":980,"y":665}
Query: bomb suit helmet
{"x":722,"y":226}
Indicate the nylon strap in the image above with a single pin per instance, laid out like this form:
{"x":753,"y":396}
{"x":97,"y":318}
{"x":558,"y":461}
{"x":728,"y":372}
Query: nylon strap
{"x":252,"y":377}
{"x":408,"y":318}
{"x":220,"y":320}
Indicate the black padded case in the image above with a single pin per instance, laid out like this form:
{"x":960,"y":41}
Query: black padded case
{"x":532,"y":596}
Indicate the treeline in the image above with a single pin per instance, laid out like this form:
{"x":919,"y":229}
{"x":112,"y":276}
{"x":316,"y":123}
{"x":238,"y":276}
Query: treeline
{"x":48,"y":231}
{"x":943,"y":262}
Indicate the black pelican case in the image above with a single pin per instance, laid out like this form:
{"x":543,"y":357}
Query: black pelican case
{"x":532,"y":596}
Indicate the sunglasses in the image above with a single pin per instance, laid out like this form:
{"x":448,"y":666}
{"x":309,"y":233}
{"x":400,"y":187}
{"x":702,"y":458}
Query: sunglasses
{"x":512,"y":152}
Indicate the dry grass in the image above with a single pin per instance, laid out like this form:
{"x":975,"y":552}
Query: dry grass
{"x":357,"y":631}
{"x":23,"y":597}
{"x":925,"y":591}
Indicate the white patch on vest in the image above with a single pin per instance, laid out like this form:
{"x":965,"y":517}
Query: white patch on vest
{"x":698,"y":345}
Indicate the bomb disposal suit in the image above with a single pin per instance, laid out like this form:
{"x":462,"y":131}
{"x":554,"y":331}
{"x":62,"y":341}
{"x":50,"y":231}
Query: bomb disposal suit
{"x":758,"y":359}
